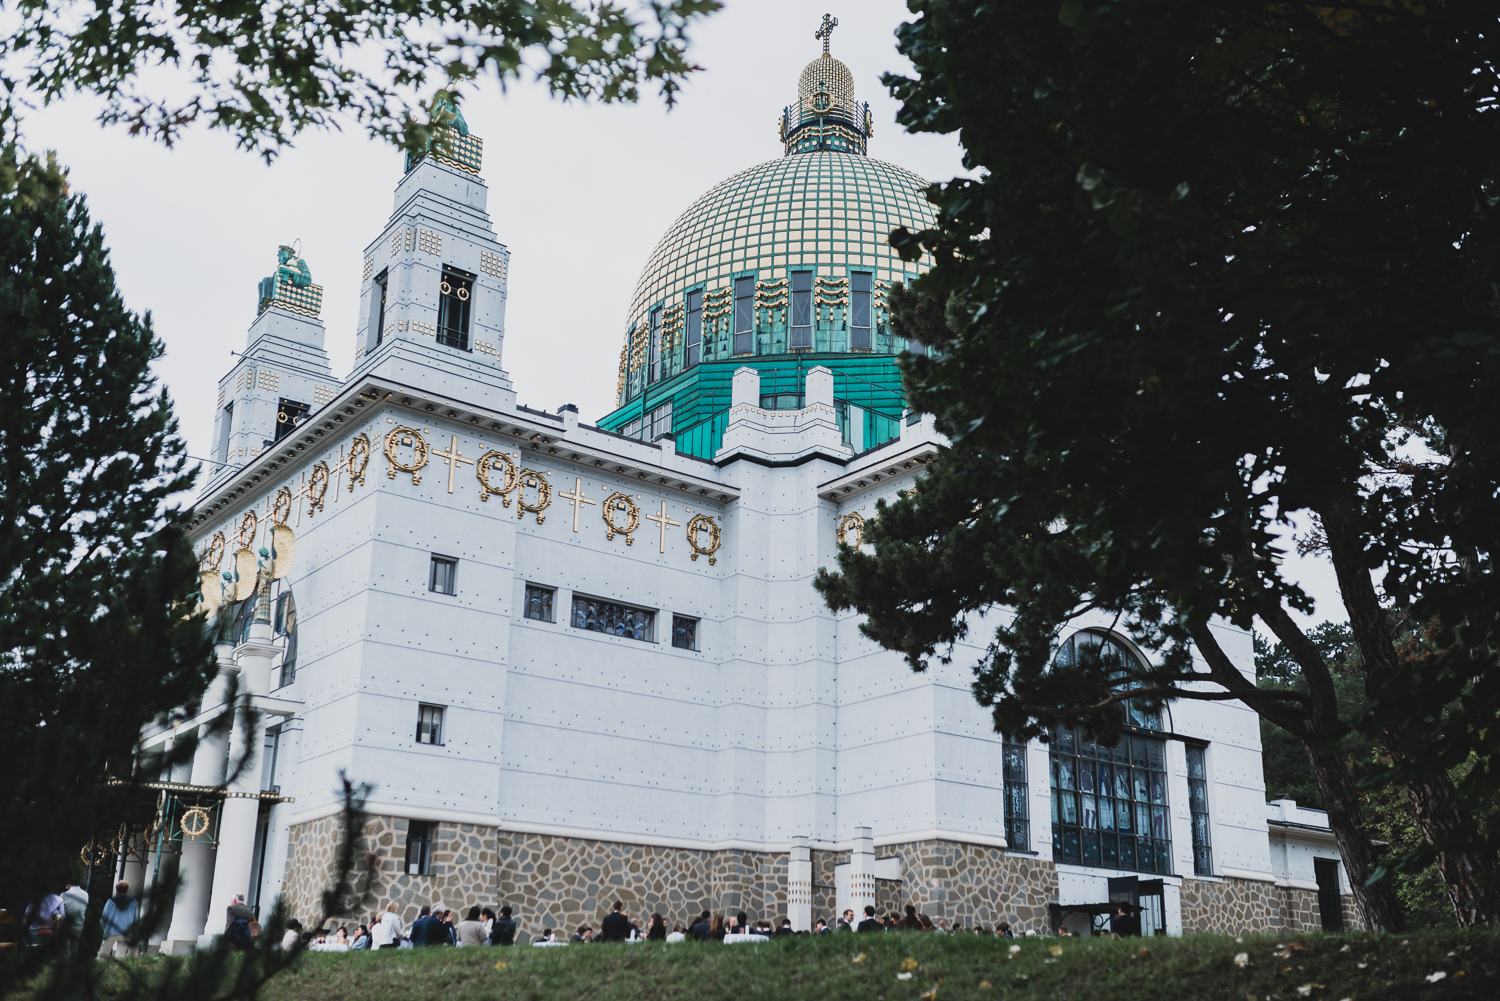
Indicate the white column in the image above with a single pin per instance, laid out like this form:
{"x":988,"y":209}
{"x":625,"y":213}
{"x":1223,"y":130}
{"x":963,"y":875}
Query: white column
{"x":861,"y":887}
{"x":196,"y":865}
{"x":799,"y":886}
{"x":236,"y":849}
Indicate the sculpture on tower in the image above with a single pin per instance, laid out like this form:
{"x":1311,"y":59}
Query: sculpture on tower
{"x":448,"y":138}
{"x":291,"y":285}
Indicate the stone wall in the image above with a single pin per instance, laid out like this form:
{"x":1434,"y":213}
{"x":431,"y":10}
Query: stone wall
{"x":972,"y":884}
{"x":1229,"y":906}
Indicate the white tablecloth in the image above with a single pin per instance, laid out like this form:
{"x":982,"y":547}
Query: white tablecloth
{"x":731,"y":939}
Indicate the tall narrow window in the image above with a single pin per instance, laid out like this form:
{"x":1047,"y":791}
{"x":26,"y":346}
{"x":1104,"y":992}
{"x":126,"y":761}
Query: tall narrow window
{"x":290,"y":415}
{"x":377,"y":311}
{"x":684,"y":632}
{"x":454,"y":299}
{"x":430,"y":725}
{"x":859,"y":311}
{"x":744,"y":315}
{"x":268,"y":758}
{"x":1017,"y":814}
{"x":653,"y":371}
{"x":802,"y":309}
{"x":1330,"y":900}
{"x":694,"y":328}
{"x":539,"y":603}
{"x":419,"y":848}
{"x":443,"y":577}
{"x":1203,"y":861}
{"x":226,"y":424}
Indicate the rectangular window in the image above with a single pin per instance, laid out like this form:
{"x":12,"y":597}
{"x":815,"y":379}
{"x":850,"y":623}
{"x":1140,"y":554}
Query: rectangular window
{"x":684,"y":632}
{"x":616,"y":620}
{"x":1017,"y":813}
{"x":455,"y":297}
{"x":694,"y":328}
{"x":285,"y":618}
{"x":539,"y":603}
{"x":382,"y":280}
{"x":419,"y":848}
{"x":430,"y":725}
{"x":444,"y":575}
{"x":268,"y":758}
{"x":802,"y":309}
{"x":226,"y":425}
{"x":285,"y":624}
{"x":1109,"y":804}
{"x":653,"y":348}
{"x":290,"y":415}
{"x":859,"y":311}
{"x":660,"y":422}
{"x":1197,"y":765}
{"x":744,"y":315}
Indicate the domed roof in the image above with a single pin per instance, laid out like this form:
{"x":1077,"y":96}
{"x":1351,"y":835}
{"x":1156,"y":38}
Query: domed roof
{"x":825,"y":75}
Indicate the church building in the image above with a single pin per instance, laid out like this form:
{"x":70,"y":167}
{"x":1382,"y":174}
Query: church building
{"x":584,"y":663}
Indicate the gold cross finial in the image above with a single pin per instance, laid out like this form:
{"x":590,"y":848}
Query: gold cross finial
{"x":826,"y":31}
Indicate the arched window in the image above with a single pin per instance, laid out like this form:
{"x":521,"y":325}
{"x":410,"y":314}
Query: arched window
{"x":1109,"y":804}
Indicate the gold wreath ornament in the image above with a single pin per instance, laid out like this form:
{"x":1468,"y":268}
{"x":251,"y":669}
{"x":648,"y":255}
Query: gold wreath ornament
{"x":317,"y":488}
{"x":616,"y":503}
{"x":244,"y":573}
{"x":487,"y":463}
{"x":359,"y":458}
{"x":214,"y":554}
{"x":249,"y":525}
{"x":698,"y":524}
{"x":195,"y":822}
{"x":281,"y":507}
{"x":283,"y":551}
{"x":852,"y":522}
{"x":532,"y":478}
{"x":399,"y":436}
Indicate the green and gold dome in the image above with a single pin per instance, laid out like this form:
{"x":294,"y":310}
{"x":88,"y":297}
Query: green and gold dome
{"x":784,"y":266}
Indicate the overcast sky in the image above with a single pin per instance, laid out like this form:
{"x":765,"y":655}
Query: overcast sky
{"x":579,"y":193}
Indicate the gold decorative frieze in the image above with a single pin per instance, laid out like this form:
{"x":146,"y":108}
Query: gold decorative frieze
{"x":359,"y":459}
{"x":429,"y":242}
{"x":697,"y":525}
{"x":214,"y":554}
{"x":538,"y":481}
{"x":492,"y":264}
{"x":249,"y":526}
{"x":281,"y":509}
{"x":852,"y":524}
{"x":508,"y":476}
{"x":621,"y":504}
{"x":317,"y":487}
{"x":270,"y":381}
{"x":398,"y":438}
{"x":369,"y":269}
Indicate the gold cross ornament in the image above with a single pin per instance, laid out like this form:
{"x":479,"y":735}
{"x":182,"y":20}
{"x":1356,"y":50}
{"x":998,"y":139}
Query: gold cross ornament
{"x":826,"y":31}
{"x":455,"y":459}
{"x":577,"y":498}
{"x":662,"y":520}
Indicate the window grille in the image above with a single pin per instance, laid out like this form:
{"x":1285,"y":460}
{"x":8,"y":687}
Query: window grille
{"x":802,"y":309}
{"x":1017,"y":813}
{"x":539,"y":603}
{"x":454,"y":299}
{"x":859,"y":311}
{"x":1197,"y":765}
{"x":430,"y":725}
{"x":684,"y":632}
{"x":653,"y":352}
{"x":616,"y":620}
{"x":419,"y":848}
{"x":744,"y":315}
{"x":1109,"y":804}
{"x":694,"y":344}
{"x":443,"y":579}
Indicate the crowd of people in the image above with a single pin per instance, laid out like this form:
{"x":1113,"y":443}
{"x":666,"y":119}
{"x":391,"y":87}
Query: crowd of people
{"x":481,"y":926}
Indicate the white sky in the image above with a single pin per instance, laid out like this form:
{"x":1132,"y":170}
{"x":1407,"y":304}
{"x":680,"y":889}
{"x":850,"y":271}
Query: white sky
{"x":579,"y":193}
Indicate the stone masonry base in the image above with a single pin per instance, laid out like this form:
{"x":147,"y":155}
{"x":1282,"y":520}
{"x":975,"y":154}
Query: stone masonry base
{"x":562,"y":883}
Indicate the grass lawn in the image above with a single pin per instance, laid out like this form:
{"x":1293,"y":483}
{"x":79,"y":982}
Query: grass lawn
{"x":872,"y":968}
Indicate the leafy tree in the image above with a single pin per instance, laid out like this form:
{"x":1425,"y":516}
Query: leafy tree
{"x":266,"y":71}
{"x":1222,"y":263}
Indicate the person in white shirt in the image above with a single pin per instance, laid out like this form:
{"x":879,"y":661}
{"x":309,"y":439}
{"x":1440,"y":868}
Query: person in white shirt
{"x":387,"y":934}
{"x":677,"y":934}
{"x":293,"y":933}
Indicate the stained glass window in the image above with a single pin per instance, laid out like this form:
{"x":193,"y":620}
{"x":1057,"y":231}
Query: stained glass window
{"x":1109,"y":804}
{"x":539,"y":603}
{"x":694,"y":327}
{"x":601,"y":616}
{"x":802,"y":309}
{"x":859,"y":311}
{"x":1197,"y":766}
{"x":1017,"y":813}
{"x":744,"y":315}
{"x":684,"y":632}
{"x":653,"y":371}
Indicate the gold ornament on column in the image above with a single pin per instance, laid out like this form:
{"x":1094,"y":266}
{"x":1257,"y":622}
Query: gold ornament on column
{"x":487,"y":463}
{"x":317,"y":487}
{"x":532,"y":478}
{"x":621,"y":503}
{"x":696,"y":526}
{"x":398,"y":437}
{"x":853,"y":522}
{"x":195,"y":822}
{"x":359,"y":458}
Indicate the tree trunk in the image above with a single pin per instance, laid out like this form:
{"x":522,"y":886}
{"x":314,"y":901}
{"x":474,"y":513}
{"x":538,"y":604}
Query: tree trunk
{"x":1381,"y":909}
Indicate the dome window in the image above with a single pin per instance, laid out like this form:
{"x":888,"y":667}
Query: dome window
{"x":802,"y":303}
{"x":653,"y":350}
{"x":744,"y":315}
{"x":859,"y":311}
{"x":694,"y":345}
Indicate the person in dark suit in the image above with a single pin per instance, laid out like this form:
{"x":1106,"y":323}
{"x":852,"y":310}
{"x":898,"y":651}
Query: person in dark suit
{"x":616,"y":927}
{"x":427,"y":930}
{"x":870,"y":923}
{"x":700,"y":929}
{"x":503,"y":931}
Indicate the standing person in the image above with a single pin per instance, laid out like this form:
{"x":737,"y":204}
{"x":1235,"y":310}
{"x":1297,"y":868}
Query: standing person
{"x":718,"y":929}
{"x":700,"y":928}
{"x":657,"y":932}
{"x":487,"y":919}
{"x":846,"y":923}
{"x":449,"y":930}
{"x":237,"y":922}
{"x":387,"y":932}
{"x":43,"y":918}
{"x":75,"y":905}
{"x":427,"y":929}
{"x":615,"y":927}
{"x":118,"y":921}
{"x":786,"y":927}
{"x":820,"y":927}
{"x":471,"y":929}
{"x":870,"y":923}
{"x":911,"y":922}
{"x":504,"y":930}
